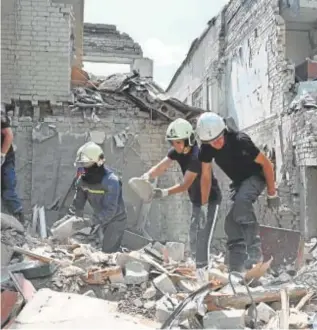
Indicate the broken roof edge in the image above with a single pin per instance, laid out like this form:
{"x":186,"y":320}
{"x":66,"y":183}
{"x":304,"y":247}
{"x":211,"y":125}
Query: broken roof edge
{"x":194,"y":45}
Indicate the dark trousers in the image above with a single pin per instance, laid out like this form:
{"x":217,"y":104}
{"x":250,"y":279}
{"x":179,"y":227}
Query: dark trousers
{"x":111,"y":234}
{"x":8,"y":187}
{"x":241,"y":226}
{"x":200,"y":230}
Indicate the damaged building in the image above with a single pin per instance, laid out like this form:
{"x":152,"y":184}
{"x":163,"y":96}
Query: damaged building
{"x":250,"y":63}
{"x":44,"y":45}
{"x":256,"y":63}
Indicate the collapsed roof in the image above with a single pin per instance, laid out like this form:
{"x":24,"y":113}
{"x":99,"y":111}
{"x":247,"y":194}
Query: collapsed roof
{"x":143,"y":92}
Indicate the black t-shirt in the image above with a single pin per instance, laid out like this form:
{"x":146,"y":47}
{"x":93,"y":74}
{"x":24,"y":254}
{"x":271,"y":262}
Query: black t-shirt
{"x":190,"y":162}
{"x":236,"y":158}
{"x":5,"y":123}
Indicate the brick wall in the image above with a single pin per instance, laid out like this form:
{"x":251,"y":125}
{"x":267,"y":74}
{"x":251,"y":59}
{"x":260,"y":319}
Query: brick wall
{"x":253,"y":83}
{"x":105,"y":41}
{"x":35,"y":50}
{"x":46,"y":150}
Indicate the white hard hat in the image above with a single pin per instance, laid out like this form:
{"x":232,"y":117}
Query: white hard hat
{"x":180,"y":129}
{"x":89,"y":154}
{"x":209,"y":126}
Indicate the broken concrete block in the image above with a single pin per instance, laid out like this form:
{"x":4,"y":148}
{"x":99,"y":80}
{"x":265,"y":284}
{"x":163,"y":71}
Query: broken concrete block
{"x":116,"y":278}
{"x":149,"y":304}
{"x":63,"y":230}
{"x":298,"y":319}
{"x":137,"y":302}
{"x":135,"y":273}
{"x":176,"y":251}
{"x":265,"y":312}
{"x":9,"y":221}
{"x":226,"y":319}
{"x":164,"y":284}
{"x":164,"y":309}
{"x":90,"y":293}
{"x":149,"y":293}
{"x":123,"y":258}
{"x":158,"y":247}
{"x":188,"y":285}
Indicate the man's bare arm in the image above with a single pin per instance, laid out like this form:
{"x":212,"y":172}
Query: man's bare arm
{"x":205,"y":182}
{"x":268,"y":171}
{"x":160,"y":168}
{"x":189,"y":178}
{"x":7,"y":140}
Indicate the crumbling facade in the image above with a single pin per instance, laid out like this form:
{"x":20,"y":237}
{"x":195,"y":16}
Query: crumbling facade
{"x":245,"y":65}
{"x":104,"y":43}
{"x":41,"y":42}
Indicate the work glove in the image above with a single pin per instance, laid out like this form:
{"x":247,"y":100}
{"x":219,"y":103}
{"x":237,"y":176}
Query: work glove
{"x":3,"y":158}
{"x":273,"y":202}
{"x":145,"y":176}
{"x":160,"y":193}
{"x":203,"y":216}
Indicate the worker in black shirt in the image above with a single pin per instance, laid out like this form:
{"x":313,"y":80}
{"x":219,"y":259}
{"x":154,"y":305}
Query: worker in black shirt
{"x":185,"y":151}
{"x":250,"y":170}
{"x":8,"y":176}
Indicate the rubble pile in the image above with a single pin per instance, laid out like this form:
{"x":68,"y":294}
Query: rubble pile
{"x":119,"y":90}
{"x":158,"y":282}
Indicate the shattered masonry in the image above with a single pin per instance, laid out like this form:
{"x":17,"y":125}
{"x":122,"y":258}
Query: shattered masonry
{"x":236,"y":82}
{"x":153,"y":286}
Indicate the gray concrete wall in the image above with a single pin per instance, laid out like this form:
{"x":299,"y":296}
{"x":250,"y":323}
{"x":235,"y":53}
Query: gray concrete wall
{"x":46,"y":150}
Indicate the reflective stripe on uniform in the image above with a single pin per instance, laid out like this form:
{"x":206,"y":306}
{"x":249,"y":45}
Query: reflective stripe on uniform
{"x":93,"y":191}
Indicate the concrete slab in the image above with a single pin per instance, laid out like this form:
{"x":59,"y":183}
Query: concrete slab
{"x":50,"y":310}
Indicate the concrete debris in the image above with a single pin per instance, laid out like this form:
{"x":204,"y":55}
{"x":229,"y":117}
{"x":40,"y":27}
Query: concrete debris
{"x":149,"y":293}
{"x":175,"y":250}
{"x":157,"y":283}
{"x":230,"y":319}
{"x":135,"y":273}
{"x":164,"y":284}
{"x":138,"y":303}
{"x":265,"y":312}
{"x":141,"y":92}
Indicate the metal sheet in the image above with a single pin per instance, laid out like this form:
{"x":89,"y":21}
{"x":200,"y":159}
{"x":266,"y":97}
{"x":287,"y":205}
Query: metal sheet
{"x":281,"y":244}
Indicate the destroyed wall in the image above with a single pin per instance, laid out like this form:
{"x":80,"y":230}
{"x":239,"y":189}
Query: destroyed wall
{"x":36,"y":50}
{"x":47,"y":149}
{"x":252,"y":81}
{"x":103,"y":43}
{"x":190,"y":81}
{"x":299,"y":148}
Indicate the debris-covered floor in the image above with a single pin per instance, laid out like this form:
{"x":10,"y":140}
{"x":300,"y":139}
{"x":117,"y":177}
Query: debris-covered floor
{"x":153,"y":287}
